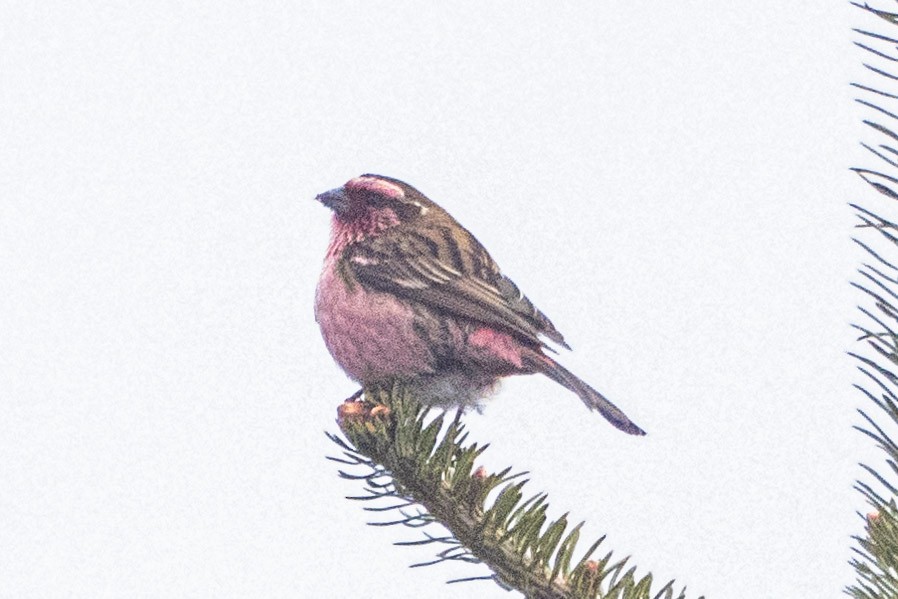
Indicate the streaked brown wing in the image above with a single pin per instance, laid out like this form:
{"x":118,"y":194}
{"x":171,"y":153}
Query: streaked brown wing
{"x":461,"y":279}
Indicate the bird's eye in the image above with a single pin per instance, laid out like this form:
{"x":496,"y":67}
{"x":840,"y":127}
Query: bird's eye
{"x":376,"y":199}
{"x":401,"y":206}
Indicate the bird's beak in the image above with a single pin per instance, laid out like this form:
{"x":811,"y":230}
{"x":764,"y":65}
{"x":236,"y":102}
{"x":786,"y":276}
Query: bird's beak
{"x":335,"y":199}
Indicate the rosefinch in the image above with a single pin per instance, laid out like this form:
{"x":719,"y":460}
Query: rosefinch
{"x":409,"y":294}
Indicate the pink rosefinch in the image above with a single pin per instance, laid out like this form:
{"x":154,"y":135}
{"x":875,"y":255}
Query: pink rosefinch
{"x":409,"y":294}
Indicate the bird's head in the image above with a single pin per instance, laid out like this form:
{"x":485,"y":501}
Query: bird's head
{"x":373,"y":202}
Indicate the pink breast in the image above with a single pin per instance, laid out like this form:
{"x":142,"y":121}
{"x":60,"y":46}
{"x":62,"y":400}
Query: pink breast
{"x":369,"y":334}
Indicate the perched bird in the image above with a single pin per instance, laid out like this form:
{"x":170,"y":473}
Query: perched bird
{"x":409,"y":294}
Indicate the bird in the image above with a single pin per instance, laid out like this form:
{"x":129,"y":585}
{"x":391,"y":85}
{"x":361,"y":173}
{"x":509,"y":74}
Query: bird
{"x":408,"y":294}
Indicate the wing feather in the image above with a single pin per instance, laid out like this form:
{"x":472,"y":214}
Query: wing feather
{"x":412,"y":266}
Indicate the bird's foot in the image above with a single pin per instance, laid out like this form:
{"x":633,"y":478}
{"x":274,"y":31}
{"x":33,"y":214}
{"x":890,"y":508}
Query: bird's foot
{"x":354,"y":397}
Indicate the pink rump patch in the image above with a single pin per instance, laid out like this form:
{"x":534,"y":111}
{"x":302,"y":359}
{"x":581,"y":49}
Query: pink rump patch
{"x":500,"y":345}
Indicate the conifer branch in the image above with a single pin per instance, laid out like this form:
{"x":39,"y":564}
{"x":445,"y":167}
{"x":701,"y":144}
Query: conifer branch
{"x":425,"y":472}
{"x":876,"y":555}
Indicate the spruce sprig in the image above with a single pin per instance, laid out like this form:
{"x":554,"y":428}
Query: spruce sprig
{"x":875,"y":557}
{"x":423,"y":469}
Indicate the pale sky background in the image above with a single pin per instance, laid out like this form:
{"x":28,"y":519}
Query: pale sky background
{"x":667,"y":181}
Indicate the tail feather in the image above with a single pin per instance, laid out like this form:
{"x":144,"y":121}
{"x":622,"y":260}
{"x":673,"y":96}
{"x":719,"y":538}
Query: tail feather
{"x":592,"y":398}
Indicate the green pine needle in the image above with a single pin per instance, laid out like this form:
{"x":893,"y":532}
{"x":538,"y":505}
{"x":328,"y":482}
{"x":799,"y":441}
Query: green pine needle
{"x":876,"y":555}
{"x":423,"y":469}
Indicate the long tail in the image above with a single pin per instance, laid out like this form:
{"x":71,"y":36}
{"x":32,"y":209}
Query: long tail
{"x":592,"y":398}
